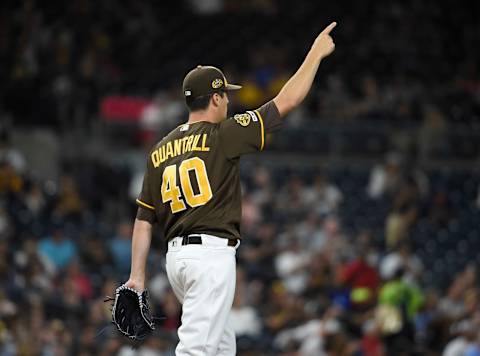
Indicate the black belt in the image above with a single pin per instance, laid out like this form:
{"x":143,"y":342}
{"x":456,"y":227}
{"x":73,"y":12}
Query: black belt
{"x":197,"y":240}
{"x":192,"y":240}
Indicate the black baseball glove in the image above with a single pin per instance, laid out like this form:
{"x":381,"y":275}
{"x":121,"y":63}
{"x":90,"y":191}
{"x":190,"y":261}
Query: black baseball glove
{"x":131,"y":313}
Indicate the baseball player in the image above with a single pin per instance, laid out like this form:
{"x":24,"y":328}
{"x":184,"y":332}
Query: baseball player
{"x":191,"y":189}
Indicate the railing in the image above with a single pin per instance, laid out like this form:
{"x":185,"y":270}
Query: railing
{"x":371,"y":140}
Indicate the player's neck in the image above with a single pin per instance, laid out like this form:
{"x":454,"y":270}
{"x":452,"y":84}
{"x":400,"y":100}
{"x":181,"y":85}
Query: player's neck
{"x":202,"y":115}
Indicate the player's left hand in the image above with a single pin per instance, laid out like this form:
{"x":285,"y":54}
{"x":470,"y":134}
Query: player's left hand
{"x":324,"y":45}
{"x":135,"y":284}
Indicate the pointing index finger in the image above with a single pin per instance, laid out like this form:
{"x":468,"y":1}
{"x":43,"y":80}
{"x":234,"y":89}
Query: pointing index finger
{"x":329,"y":28}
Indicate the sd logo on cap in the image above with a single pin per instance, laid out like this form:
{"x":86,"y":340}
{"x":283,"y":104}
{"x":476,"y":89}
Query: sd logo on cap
{"x":217,"y":83}
{"x":205,"y":80}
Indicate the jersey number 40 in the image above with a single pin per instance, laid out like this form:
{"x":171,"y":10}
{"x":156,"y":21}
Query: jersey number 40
{"x":171,"y":191}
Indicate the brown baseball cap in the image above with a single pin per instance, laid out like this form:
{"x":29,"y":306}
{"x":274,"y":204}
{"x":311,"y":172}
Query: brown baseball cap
{"x":205,"y":80}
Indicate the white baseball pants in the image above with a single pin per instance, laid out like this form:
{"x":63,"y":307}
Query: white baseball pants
{"x":203,"y":280}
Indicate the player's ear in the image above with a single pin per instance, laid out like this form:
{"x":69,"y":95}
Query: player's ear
{"x":216,"y":99}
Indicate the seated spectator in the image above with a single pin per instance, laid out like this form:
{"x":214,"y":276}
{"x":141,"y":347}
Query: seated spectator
{"x":289,"y":201}
{"x":9,"y":155}
{"x":474,"y":348}
{"x":251,"y":213}
{"x":259,"y":254}
{"x":372,"y":103}
{"x":35,"y":200}
{"x":36,"y":272}
{"x":69,"y":203}
{"x":385,"y":178}
{"x":361,"y":279}
{"x":464,"y":335}
{"x":162,"y":114}
{"x":5,"y":225}
{"x":284,"y":309}
{"x":371,"y":343}
{"x":324,"y":197}
{"x":336,"y":244}
{"x":452,"y":304}
{"x":399,"y":302}
{"x":310,"y":337}
{"x":310,"y":234}
{"x":440,"y":211}
{"x":291,"y":266}
{"x":399,"y":293}
{"x":81,"y":280}
{"x":403,"y":215}
{"x":251,"y":94}
{"x":96,"y":257}
{"x":171,"y":309}
{"x":315,"y":337}
{"x":243,"y":317}
{"x":263,"y":188}
{"x":320,"y":278}
{"x":405,"y":259}
{"x":334,"y":101}
{"x":432,"y":135}
{"x":58,"y":248}
{"x":10,"y":180}
{"x":57,"y":338}
{"x":120,"y":247}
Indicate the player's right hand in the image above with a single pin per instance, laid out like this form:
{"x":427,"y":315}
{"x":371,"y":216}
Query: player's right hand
{"x":324,"y":44}
{"x":135,"y":284}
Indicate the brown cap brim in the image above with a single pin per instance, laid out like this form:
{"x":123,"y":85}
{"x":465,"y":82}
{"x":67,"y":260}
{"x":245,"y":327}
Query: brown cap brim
{"x":229,"y":87}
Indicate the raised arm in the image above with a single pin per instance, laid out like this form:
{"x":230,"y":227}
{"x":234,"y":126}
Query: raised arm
{"x":297,"y":87}
{"x":142,"y":235}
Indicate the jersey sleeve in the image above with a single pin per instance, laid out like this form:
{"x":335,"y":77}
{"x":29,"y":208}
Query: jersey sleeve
{"x":245,"y":133}
{"x":145,"y":200}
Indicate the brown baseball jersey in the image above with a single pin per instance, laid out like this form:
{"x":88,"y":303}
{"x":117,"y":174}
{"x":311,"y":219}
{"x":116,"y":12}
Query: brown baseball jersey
{"x":192,"y":180}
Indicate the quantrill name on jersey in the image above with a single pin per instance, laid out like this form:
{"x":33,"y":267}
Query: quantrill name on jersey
{"x":178,"y":147}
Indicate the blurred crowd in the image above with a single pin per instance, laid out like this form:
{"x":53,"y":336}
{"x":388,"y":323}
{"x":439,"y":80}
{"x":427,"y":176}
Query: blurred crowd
{"x":376,"y":261}
{"x":310,"y":281}
{"x":405,"y":61}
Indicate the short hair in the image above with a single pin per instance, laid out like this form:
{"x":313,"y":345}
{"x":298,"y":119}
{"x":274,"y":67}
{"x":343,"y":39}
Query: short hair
{"x":200,"y":102}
